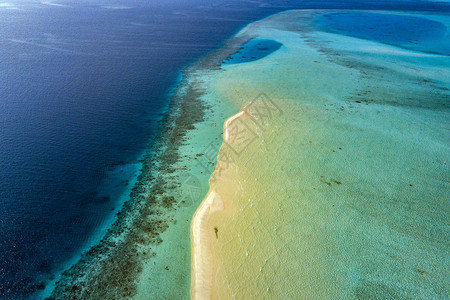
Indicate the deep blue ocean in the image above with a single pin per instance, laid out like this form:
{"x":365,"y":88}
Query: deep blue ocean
{"x":83,"y":85}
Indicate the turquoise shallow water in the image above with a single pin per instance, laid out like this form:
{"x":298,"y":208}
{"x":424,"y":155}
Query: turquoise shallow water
{"x":343,"y":195}
{"x":412,"y":32}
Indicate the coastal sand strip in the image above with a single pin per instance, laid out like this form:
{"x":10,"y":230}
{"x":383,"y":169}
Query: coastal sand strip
{"x":202,"y":286}
{"x":202,"y":260}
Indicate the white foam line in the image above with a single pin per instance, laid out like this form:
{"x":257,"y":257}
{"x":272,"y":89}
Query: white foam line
{"x":53,"y":4}
{"x":7,"y":5}
{"x":117,"y":7}
{"x":46,"y":46}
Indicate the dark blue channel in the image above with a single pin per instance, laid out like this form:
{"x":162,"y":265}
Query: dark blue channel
{"x":252,"y":50}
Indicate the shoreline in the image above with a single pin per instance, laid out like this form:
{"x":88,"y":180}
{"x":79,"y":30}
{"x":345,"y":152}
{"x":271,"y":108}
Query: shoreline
{"x":202,"y":258}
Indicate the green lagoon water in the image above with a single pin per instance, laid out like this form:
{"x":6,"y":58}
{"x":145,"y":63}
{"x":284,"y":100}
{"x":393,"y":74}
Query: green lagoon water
{"x":338,"y":186}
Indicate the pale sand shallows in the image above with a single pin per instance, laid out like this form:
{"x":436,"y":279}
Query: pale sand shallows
{"x":201,"y":251}
{"x":203,"y":286}
{"x":339,"y":189}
